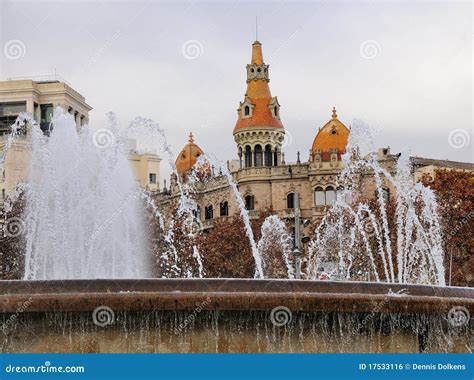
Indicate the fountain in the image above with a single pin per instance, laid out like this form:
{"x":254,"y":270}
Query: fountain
{"x":86,"y":289}
{"x":406,"y":248}
{"x":83,"y":207}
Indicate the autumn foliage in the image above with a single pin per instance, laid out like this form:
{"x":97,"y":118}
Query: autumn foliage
{"x":455,"y":195}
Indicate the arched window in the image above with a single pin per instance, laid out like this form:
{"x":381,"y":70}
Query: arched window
{"x":249,"y":202}
{"x":319,"y":196}
{"x":290,"y":200}
{"x":275,"y":158}
{"x":330,"y":195}
{"x":268,"y":155}
{"x":258,"y":153}
{"x":246,"y":111}
{"x":248,"y":157}
{"x":224,"y":209}
{"x":208,"y":212}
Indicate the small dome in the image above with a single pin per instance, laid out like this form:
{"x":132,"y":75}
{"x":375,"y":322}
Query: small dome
{"x":333,"y":135}
{"x":188,"y":156}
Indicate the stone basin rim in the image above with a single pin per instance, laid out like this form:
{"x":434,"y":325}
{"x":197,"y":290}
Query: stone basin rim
{"x":230,"y":294}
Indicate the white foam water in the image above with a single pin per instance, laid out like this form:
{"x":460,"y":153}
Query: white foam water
{"x":84,"y":213}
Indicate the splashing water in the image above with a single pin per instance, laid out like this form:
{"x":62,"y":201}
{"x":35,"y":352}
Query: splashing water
{"x":275,"y":247}
{"x":83,"y":209}
{"x":208,"y":161}
{"x":399,"y":242}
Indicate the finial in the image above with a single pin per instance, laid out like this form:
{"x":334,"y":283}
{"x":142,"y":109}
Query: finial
{"x":256,"y":28}
{"x":191,"y":138}
{"x":334,"y":114}
{"x":298,"y":160}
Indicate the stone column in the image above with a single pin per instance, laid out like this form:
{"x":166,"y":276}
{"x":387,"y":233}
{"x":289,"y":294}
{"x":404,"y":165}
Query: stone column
{"x":30,"y":107}
{"x":38,"y":113}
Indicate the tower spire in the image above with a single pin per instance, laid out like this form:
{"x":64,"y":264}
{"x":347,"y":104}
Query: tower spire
{"x":256,"y":28}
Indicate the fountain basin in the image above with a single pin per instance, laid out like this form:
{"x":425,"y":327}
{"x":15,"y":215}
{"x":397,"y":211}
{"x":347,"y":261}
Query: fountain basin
{"x":232,"y":315}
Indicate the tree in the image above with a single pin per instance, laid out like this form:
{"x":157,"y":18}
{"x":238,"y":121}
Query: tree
{"x":455,"y":195}
{"x":12,"y":238}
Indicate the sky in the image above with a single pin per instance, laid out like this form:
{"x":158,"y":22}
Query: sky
{"x":403,"y":67}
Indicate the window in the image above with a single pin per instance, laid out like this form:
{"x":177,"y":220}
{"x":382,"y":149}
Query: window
{"x":268,"y":155}
{"x":246,"y":111}
{"x":208,"y":212}
{"x":8,"y":115}
{"x":319,"y":196}
{"x":386,"y":194}
{"x":344,"y":194}
{"x":275,"y":111}
{"x":152,"y":178}
{"x":258,"y":155}
{"x":290,"y":200}
{"x":248,"y":157}
{"x":224,"y":209}
{"x":249,"y":202}
{"x":46,"y":113}
{"x":330,"y":195}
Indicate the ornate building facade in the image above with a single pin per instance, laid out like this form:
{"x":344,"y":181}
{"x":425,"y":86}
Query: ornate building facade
{"x":265,"y":181}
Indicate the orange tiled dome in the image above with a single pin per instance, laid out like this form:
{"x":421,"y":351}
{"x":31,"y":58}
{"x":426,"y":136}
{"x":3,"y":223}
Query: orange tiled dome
{"x":333,"y":135}
{"x":258,"y":96}
{"x":188,"y":156}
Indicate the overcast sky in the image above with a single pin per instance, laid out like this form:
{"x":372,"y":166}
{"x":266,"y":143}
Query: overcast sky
{"x":402,"y":67}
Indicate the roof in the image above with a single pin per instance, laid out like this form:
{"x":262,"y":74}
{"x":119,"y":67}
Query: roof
{"x":421,"y":161}
{"x":333,"y":135}
{"x":188,"y":156}
{"x":258,"y":96}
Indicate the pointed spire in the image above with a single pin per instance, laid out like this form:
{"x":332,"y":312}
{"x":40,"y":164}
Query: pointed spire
{"x":334,"y":114}
{"x":191,"y":138}
{"x":256,"y":28}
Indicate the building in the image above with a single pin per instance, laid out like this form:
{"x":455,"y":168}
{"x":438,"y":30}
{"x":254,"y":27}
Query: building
{"x":39,"y":96}
{"x":264,"y":179}
{"x":145,"y":167}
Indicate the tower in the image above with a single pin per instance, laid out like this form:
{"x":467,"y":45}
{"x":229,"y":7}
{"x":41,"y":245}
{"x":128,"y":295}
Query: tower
{"x":259,"y":132}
